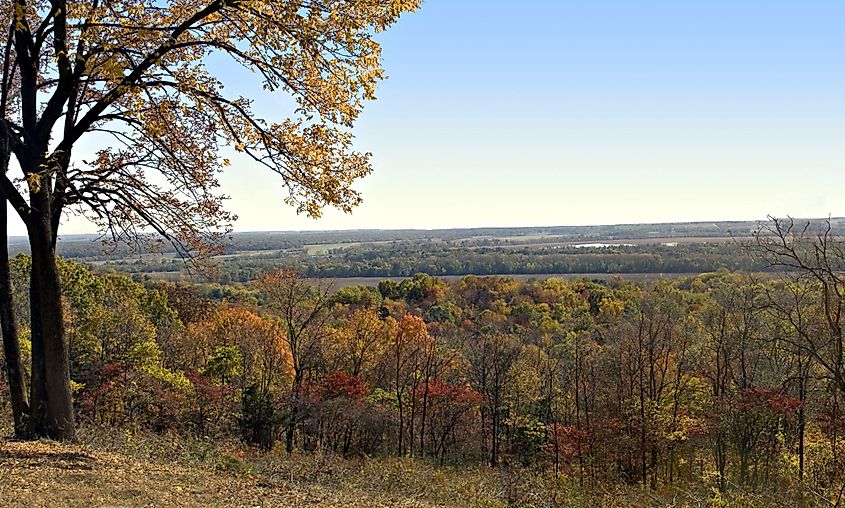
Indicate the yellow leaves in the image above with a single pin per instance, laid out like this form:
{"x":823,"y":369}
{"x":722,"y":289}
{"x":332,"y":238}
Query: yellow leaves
{"x":20,"y":16}
{"x":260,"y":342}
{"x":168,"y":113}
{"x":76,"y":387}
{"x":411,"y":329}
{"x":34,"y":182}
{"x":611,"y":308}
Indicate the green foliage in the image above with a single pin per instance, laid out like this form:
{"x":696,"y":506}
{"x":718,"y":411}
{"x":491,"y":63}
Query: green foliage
{"x":144,"y":355}
{"x":443,"y":312}
{"x":380,"y":396}
{"x":225,"y":363}
{"x":359,"y":296}
{"x":258,"y":418}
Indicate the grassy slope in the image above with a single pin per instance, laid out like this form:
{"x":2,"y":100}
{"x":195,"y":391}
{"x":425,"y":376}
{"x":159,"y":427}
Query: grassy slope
{"x":110,"y":471}
{"x":49,"y":474}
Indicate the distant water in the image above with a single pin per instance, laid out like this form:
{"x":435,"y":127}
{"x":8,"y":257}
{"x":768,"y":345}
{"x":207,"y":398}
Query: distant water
{"x":600,"y":245}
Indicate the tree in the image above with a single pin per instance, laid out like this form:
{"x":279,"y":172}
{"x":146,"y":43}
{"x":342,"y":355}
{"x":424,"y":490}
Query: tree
{"x":732,"y":324}
{"x":814,"y":305}
{"x":130,"y":74}
{"x":491,"y":357}
{"x":359,"y":340}
{"x":8,"y":323}
{"x":651,"y":351}
{"x":240,"y":351}
{"x":302,"y":311}
{"x":404,"y":359}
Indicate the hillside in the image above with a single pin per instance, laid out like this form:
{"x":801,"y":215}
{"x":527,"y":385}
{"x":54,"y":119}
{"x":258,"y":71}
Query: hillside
{"x":49,"y":474}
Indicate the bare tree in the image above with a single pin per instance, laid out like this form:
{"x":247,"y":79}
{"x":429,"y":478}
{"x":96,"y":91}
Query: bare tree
{"x":812,"y":258}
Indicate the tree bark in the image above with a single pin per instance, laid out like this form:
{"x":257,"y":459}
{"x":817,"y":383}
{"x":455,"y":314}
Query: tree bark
{"x":11,"y":344}
{"x":8,"y":324}
{"x":52,"y":402}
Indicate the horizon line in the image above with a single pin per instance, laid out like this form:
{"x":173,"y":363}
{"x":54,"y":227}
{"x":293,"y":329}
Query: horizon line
{"x":468,"y":228}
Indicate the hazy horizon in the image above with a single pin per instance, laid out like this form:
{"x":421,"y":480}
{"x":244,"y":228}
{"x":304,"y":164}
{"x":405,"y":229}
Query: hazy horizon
{"x":488,"y":226}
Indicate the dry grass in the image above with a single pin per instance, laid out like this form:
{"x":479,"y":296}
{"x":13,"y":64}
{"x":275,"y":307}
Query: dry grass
{"x":49,"y":474}
{"x":117,"y":469}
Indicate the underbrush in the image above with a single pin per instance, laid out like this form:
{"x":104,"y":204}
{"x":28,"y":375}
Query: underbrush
{"x":399,"y":481}
{"x":232,"y":474}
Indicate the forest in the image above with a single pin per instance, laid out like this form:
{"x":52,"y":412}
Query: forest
{"x":161,"y":359}
{"x":723,"y":382}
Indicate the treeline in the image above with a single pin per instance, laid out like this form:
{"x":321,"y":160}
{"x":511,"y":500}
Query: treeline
{"x":405,"y":259}
{"x":721,"y":380}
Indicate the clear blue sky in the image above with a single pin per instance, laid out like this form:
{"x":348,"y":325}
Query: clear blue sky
{"x":559,"y":112}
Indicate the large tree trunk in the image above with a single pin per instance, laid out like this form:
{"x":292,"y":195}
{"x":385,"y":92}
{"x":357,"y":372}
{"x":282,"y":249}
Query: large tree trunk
{"x":52,"y":403}
{"x":11,"y":345}
{"x":8,"y":325}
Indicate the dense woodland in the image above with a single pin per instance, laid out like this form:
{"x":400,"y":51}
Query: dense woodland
{"x":728,"y":380}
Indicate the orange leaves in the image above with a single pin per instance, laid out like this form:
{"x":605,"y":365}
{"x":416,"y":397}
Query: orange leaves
{"x":260,"y":342}
{"x":281,"y":283}
{"x":438,"y":392}
{"x":567,"y":442}
{"x":360,"y":340}
{"x":771,"y":399}
{"x":411,"y":330}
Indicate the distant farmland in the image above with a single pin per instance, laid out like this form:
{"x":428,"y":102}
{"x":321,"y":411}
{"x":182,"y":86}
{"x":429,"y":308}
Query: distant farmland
{"x":367,"y":256}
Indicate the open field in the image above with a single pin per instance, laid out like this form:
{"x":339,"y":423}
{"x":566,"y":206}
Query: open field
{"x":670,"y":241}
{"x":48,"y":474}
{"x":318,"y":249}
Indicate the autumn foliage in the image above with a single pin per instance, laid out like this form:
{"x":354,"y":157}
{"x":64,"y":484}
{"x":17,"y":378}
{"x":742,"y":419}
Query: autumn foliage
{"x":684,"y":382}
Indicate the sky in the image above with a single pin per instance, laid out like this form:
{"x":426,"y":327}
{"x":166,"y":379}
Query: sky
{"x":562,"y":112}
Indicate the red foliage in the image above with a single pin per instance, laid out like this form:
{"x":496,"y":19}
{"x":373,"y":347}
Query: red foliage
{"x":447,"y":393}
{"x":571,"y":442}
{"x":111,"y":370}
{"x":769,"y":398}
{"x":340,"y":384}
{"x":831,"y":420}
{"x":206,"y":391}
